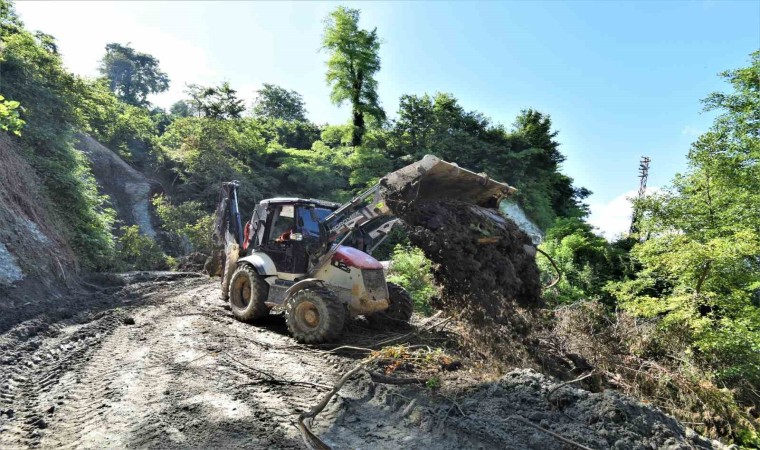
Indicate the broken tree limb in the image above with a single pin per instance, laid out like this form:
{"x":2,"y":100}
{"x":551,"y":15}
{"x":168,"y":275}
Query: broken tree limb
{"x":412,"y":333}
{"x":550,"y":433}
{"x":556,"y":388}
{"x":559,"y":273}
{"x":309,"y":438}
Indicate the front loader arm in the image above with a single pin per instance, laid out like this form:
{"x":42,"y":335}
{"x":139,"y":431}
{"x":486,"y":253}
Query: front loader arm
{"x":356,"y":212}
{"x":227,"y":224}
{"x":430,"y":178}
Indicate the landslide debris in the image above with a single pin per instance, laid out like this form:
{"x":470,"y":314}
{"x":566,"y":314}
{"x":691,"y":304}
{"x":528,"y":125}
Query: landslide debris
{"x":486,"y":268}
{"x":504,"y":413}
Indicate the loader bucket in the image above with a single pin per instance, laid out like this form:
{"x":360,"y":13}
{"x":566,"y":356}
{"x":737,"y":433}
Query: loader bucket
{"x":432,"y":178}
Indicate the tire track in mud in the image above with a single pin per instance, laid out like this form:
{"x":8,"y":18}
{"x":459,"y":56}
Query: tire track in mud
{"x":29,"y":389}
{"x":165,"y":381}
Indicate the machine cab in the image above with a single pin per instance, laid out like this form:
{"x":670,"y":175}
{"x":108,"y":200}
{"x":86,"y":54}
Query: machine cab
{"x":288,"y":231}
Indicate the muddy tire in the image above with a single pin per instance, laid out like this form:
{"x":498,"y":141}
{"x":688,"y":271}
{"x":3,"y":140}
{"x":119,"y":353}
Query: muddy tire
{"x":398,"y":313}
{"x":248,"y":293}
{"x":315,"y":315}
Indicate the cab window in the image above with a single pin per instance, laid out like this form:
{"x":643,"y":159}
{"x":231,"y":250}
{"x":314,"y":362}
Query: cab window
{"x":283,"y":222}
{"x":308,"y":220}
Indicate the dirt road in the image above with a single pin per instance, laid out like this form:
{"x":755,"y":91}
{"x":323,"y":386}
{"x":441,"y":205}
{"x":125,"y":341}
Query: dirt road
{"x":162,"y":364}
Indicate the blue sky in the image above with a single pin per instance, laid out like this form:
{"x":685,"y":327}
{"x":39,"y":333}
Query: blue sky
{"x":620,"y":79}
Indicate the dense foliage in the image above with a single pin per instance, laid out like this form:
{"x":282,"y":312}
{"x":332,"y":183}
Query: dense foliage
{"x":700,"y":266}
{"x":33,"y":75}
{"x":275,"y":102}
{"x":586,"y":261}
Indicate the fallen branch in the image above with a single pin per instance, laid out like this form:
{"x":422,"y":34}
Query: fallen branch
{"x":309,"y":438}
{"x":581,"y":378}
{"x":550,"y":433}
{"x":412,"y":333}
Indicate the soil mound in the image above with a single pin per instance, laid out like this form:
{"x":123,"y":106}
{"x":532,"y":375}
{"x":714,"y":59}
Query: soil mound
{"x":520,"y":410}
{"x":483,"y":257}
{"x":486,"y":267}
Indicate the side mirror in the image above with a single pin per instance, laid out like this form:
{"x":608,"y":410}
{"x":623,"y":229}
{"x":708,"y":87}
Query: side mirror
{"x":296,"y":237}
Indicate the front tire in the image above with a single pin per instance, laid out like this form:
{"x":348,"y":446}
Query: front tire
{"x":399,"y":312}
{"x":315,"y":315}
{"x":248,"y":293}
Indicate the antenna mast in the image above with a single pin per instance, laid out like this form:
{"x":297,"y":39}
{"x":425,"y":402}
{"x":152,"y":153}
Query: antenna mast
{"x":643,"y":176}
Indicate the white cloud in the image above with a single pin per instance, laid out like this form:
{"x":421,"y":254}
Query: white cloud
{"x":688,"y":130}
{"x":613,"y":219}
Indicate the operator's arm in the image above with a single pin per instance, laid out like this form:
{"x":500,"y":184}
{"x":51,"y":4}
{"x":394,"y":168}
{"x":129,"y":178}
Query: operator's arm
{"x":284,"y":237}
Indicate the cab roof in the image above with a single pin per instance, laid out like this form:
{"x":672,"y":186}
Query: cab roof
{"x":297,"y":200}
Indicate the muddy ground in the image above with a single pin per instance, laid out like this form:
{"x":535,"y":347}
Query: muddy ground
{"x":161,"y":363}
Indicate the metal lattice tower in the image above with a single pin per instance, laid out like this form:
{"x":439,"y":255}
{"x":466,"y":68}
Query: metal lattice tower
{"x":643,"y":176}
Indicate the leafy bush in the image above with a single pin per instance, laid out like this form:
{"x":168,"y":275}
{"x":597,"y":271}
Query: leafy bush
{"x":587,"y":261}
{"x":411,"y":270}
{"x":135,"y":251}
{"x":187,"y":219}
{"x":10,"y":120}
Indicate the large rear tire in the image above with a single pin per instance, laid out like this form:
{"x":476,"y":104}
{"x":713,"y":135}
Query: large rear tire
{"x":399,"y":312}
{"x":315,"y":315}
{"x":248,"y":293}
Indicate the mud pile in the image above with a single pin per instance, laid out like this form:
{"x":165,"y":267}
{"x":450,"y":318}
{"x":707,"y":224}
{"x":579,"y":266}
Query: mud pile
{"x":486,"y":267}
{"x":503,"y":414}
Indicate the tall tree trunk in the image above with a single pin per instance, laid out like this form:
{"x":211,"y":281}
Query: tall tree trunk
{"x":358,"y":131}
{"x":358,"y":115}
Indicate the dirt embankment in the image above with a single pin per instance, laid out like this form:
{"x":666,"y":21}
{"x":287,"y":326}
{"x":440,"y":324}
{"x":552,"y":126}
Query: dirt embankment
{"x":36,"y":261}
{"x":129,"y":190}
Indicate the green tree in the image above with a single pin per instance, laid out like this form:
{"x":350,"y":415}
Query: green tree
{"x":132,"y":74}
{"x":215,"y":102}
{"x":202,"y":153}
{"x":275,"y":102}
{"x":181,"y":109}
{"x":527,"y":156}
{"x":126,"y":129}
{"x":700,"y":268}
{"x":354,"y":60}
{"x":586,"y":261}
